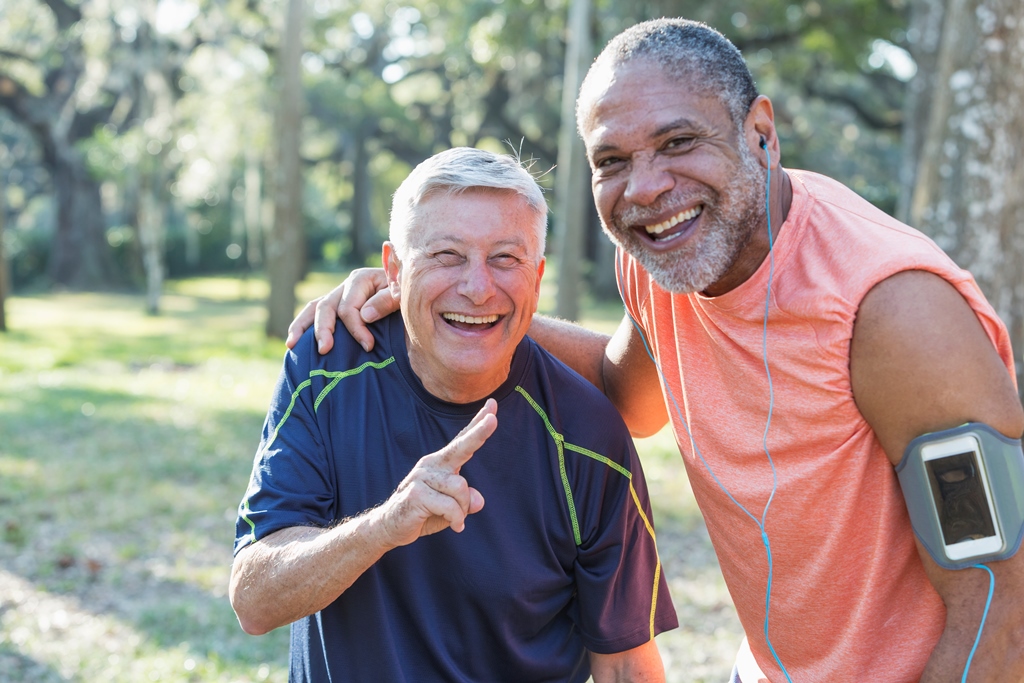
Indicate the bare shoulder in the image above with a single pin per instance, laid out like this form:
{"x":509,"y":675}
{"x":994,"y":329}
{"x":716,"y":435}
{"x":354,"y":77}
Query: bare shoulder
{"x":920,"y":361}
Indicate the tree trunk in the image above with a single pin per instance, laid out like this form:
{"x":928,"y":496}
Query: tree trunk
{"x":572,"y":189}
{"x":967,"y":190}
{"x":924,"y":32}
{"x":4,"y":276}
{"x":253,"y":199}
{"x":156,"y":111}
{"x":361,"y":232}
{"x":80,"y":258}
{"x":285,"y":251}
{"x":151,"y":219}
{"x":603,"y":284}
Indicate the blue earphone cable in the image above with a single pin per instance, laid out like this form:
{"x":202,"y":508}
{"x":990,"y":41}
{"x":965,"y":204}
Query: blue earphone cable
{"x":764,"y":441}
{"x":984,"y":616}
{"x":771,"y":406}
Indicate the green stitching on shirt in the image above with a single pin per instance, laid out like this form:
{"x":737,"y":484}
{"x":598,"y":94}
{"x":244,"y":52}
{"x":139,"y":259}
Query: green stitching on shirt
{"x":600,"y":458}
{"x":287,"y":412}
{"x":559,"y":441}
{"x":245,"y":516}
{"x":337,"y":376}
{"x":562,"y":444}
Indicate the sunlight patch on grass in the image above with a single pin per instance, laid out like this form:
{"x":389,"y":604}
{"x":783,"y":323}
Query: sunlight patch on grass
{"x":127,"y":439}
{"x":106,"y":648}
{"x":12,"y":467}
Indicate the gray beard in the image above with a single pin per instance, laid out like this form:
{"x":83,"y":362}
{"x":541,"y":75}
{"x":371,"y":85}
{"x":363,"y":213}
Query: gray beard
{"x":731,"y":217}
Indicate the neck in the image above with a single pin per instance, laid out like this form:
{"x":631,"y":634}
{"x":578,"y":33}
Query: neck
{"x":455,"y":387}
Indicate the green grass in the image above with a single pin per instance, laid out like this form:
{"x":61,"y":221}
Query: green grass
{"x":126,"y":442}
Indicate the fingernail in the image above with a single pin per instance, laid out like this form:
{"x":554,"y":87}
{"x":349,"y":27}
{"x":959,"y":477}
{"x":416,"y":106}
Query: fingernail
{"x":369,"y":313}
{"x":320,"y":345}
{"x":366,"y":346}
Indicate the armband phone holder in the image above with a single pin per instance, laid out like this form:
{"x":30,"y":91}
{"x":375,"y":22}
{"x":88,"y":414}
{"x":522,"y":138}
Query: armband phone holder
{"x":964,"y":489}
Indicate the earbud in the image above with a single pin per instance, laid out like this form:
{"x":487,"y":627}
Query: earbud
{"x":764,"y":143}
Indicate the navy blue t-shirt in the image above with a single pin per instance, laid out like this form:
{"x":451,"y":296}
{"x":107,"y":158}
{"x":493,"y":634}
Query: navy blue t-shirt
{"x":561,"y":559}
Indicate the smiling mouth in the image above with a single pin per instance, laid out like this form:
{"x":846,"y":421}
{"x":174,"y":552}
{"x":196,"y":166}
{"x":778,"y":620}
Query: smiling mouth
{"x":656,"y":231}
{"x":469,"y":322}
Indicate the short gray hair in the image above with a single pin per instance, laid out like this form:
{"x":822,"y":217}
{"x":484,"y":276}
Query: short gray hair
{"x":684,"y":48}
{"x":459,"y":169}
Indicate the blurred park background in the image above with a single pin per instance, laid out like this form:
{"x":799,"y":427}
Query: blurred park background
{"x":176,"y":176}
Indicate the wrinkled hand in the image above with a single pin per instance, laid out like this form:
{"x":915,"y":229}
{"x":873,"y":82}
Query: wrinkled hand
{"x":362,"y":298}
{"x":434,"y":496}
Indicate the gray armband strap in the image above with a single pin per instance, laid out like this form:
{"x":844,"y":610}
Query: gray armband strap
{"x":964,"y":489}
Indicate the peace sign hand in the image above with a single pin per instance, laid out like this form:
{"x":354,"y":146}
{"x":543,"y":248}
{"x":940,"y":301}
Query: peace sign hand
{"x":434,"y":496}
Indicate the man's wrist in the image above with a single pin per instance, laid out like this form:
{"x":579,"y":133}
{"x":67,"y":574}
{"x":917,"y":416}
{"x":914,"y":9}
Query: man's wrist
{"x":376,"y":528}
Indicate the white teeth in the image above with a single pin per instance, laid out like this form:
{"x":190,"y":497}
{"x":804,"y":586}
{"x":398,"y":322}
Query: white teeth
{"x":471,"y":319}
{"x":675,"y":220}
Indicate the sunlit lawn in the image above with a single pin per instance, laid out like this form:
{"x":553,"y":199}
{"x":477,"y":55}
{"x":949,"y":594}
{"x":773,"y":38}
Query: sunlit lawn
{"x":125,"y":445}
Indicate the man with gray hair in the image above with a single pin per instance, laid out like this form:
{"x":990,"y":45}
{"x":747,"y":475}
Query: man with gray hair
{"x":800,"y":341}
{"x":344,"y":529}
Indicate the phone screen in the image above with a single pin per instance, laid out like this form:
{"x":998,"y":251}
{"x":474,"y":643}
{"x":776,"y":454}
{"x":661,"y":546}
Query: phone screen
{"x":964,"y":513}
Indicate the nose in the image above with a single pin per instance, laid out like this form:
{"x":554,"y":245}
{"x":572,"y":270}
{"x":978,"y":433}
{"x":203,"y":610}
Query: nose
{"x":647,"y":181}
{"x":477,"y":282}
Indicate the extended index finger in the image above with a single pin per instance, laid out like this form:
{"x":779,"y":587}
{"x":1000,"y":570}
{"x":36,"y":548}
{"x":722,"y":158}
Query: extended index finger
{"x":462,"y":447}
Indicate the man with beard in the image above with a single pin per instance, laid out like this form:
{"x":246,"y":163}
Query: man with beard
{"x":799,"y":340}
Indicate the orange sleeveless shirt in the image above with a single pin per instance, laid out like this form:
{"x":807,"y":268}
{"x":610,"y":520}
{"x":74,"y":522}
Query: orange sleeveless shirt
{"x":850,"y":600}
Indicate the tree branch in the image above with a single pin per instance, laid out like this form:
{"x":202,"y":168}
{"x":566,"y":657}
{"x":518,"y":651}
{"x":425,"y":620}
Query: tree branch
{"x":7,"y":54}
{"x":890,"y":119}
{"x":67,"y":15}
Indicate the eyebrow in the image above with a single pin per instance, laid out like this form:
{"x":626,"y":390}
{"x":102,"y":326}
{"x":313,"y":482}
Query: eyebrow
{"x":677,"y":124}
{"x":458,"y":241}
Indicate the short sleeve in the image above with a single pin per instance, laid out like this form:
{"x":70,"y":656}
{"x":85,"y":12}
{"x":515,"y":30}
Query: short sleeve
{"x":622,"y":593}
{"x":291,"y":482}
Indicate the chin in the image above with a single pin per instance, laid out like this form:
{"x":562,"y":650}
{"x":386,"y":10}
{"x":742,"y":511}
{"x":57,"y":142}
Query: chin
{"x":680,"y":273}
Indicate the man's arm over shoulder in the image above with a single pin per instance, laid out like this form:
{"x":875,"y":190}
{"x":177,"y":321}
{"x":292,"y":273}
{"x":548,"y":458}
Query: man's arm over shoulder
{"x":618,"y":365}
{"x":921,"y":362}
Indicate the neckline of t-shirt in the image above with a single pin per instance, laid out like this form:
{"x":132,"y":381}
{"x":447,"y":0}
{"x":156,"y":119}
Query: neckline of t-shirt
{"x":751,"y":291}
{"x":396,"y":337}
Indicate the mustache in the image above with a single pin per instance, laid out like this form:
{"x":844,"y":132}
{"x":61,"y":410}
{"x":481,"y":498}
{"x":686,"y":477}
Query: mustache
{"x":634,"y":214}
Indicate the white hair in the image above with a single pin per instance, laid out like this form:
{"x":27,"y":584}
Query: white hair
{"x":459,"y":169}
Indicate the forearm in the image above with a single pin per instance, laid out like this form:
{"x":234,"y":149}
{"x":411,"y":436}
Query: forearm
{"x":298,"y":571}
{"x":618,"y":365}
{"x":640,"y":665}
{"x":581,"y":349}
{"x":1000,"y":653}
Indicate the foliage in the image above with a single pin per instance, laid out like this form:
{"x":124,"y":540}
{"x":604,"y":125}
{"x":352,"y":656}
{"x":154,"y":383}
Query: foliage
{"x":387,"y":85}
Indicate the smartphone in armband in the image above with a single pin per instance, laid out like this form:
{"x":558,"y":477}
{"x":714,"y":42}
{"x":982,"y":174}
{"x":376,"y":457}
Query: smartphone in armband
{"x":962,"y":497}
{"x":964,"y":489}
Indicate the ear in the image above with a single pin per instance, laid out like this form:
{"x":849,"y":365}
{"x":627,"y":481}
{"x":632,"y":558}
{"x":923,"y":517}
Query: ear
{"x":392,"y":269}
{"x":540,"y":276}
{"x":760,"y":126}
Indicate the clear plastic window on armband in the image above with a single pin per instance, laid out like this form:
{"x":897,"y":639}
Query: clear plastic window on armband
{"x":964,"y":489}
